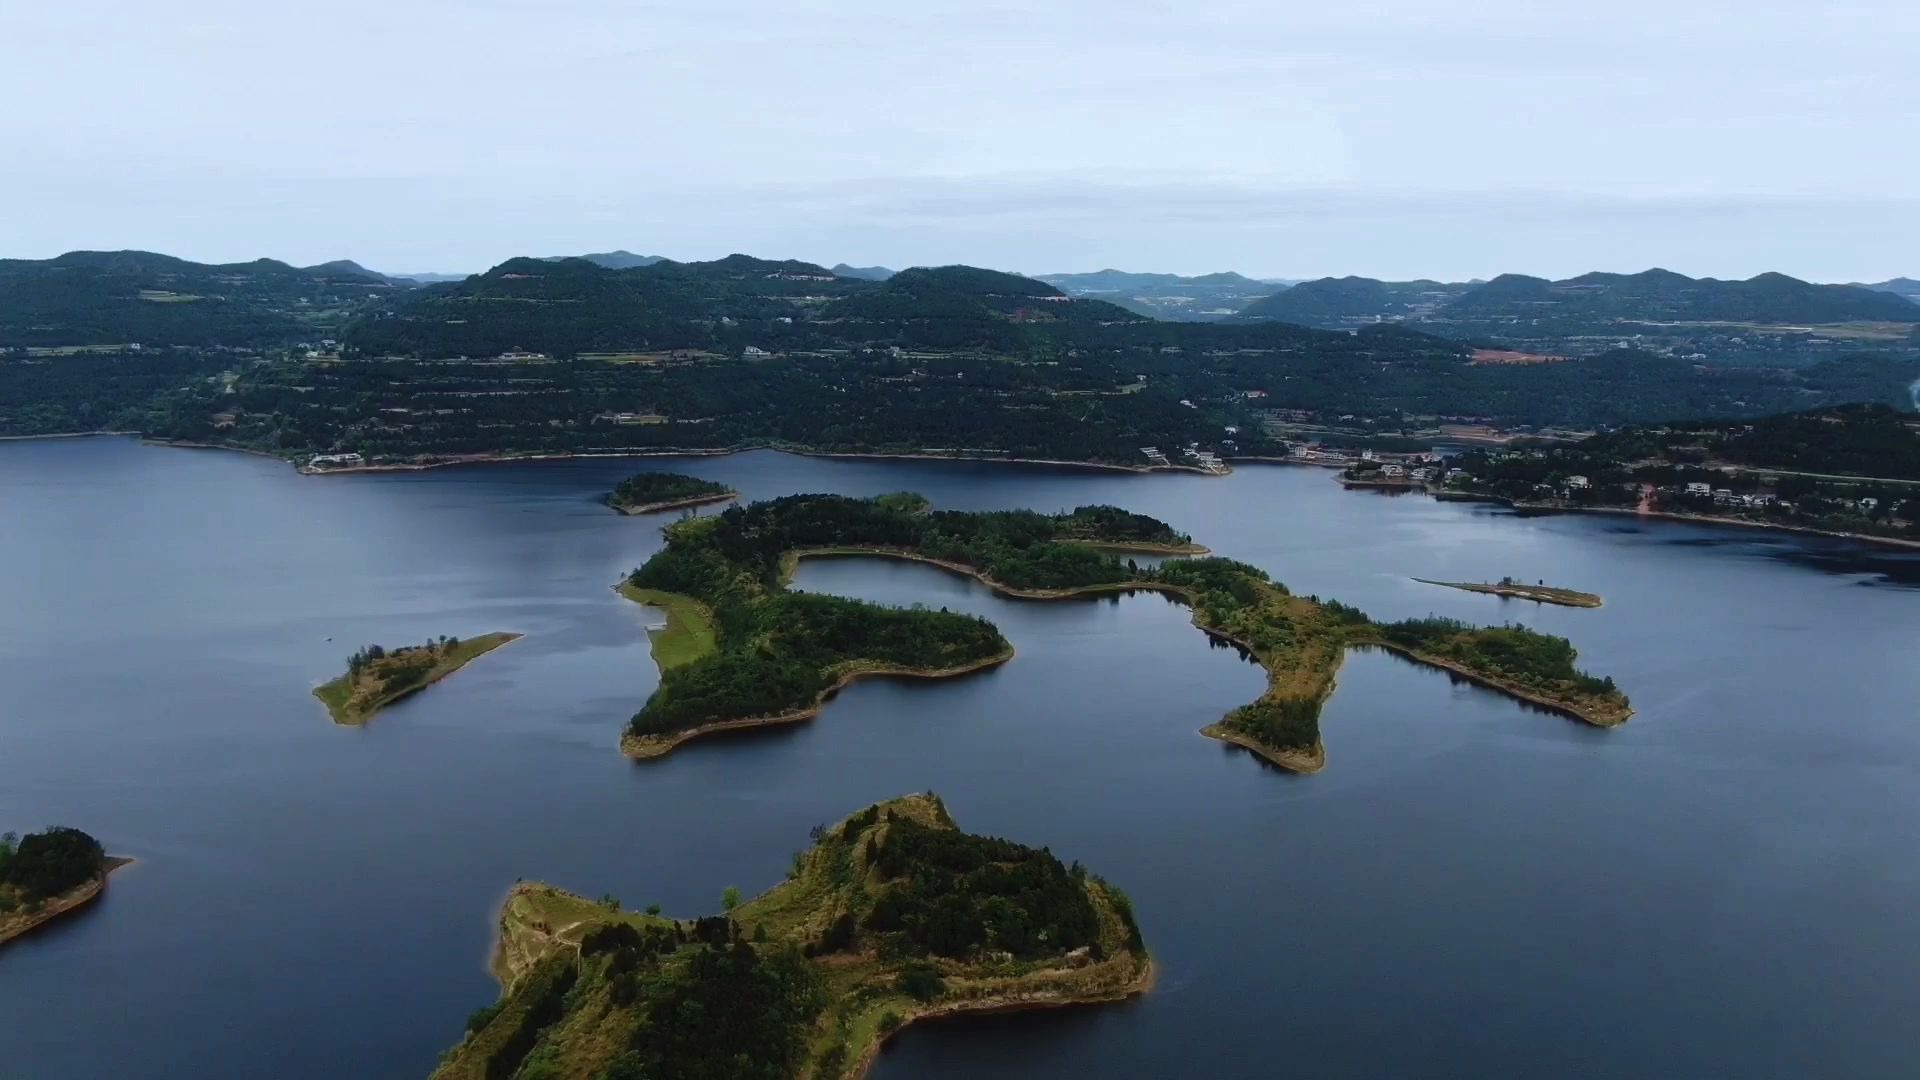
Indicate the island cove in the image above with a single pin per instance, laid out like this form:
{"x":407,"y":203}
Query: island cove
{"x":749,"y":652}
{"x":377,"y":676}
{"x":894,"y":915}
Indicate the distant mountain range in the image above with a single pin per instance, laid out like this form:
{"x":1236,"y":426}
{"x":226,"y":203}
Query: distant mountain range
{"x":1904,"y":286}
{"x":619,"y":300}
{"x":620,"y":259}
{"x":1167,"y":296}
{"x":571,"y":306}
{"x":1580,"y":304}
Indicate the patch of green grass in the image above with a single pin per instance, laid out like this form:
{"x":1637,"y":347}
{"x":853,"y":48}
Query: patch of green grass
{"x":689,"y":633}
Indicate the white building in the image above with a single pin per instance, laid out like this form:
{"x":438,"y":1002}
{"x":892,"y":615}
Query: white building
{"x":1578,"y":482}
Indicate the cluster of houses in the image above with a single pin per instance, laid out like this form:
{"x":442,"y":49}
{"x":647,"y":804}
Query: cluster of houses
{"x":1409,"y":469}
{"x":1205,"y":459}
{"x":1727,"y":497}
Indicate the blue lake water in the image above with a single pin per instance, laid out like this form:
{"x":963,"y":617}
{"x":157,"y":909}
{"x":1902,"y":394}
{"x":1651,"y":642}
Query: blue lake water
{"x":1725,"y":886}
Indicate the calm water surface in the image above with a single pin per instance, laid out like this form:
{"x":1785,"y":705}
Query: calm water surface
{"x":1724,"y":887}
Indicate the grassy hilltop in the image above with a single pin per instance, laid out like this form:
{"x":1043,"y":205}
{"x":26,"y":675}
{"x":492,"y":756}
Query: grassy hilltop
{"x":893,"y":915}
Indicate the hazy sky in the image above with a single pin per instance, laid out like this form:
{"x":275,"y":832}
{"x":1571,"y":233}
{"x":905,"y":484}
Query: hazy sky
{"x":1394,"y":138}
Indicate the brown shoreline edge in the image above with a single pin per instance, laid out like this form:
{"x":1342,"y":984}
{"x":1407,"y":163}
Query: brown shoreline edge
{"x":649,"y":747}
{"x":1142,"y":983}
{"x":67,"y":902}
{"x":634,"y":509}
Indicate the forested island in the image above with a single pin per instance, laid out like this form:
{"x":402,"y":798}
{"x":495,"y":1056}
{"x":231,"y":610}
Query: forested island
{"x":1520,"y":590}
{"x":647,"y":492}
{"x":46,"y":874}
{"x":893,"y":915}
{"x":377,"y":676}
{"x":777,"y":654}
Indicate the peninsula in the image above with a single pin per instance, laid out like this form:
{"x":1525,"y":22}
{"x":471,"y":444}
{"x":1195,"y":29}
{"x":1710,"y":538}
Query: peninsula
{"x":1544,"y":593}
{"x":894,"y":915}
{"x":47,"y":874}
{"x":777,"y":655}
{"x":650,"y":492}
{"x":377,"y":677}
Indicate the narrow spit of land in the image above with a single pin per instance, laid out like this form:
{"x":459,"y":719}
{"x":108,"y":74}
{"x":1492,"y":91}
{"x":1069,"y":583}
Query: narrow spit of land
{"x":1545,"y":594}
{"x":377,"y":677}
{"x":894,"y":915}
{"x":775,"y":655}
{"x":652,"y":492}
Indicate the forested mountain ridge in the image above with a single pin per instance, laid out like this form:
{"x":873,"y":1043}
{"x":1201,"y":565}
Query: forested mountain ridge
{"x":1664,"y":296}
{"x":570,"y":306}
{"x":1595,"y":298}
{"x":1345,"y":301}
{"x":619,"y":259}
{"x":540,"y":356}
{"x":1903,"y":286}
{"x":1847,"y":440}
{"x":1165,"y":296}
{"x":120,"y":298}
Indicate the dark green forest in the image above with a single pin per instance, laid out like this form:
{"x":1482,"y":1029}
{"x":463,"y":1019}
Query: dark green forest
{"x":40,"y":865}
{"x":744,"y":352}
{"x":779,"y":650}
{"x":647,"y":488}
{"x":912,"y":907}
{"x":953,"y":894}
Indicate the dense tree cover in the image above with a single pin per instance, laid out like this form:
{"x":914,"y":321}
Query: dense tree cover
{"x":568,"y":306}
{"x":744,"y":351}
{"x":1664,"y":296}
{"x":738,"y":553}
{"x":1337,"y":302}
{"x":123,"y":297}
{"x":501,"y":1036}
{"x":642,"y":489}
{"x":379,"y":671}
{"x":794,"y":646}
{"x":953,"y":894}
{"x":1590,"y":303}
{"x":153,"y":390}
{"x":725,"y":1012}
{"x":1086,"y":402}
{"x":44,"y":864}
{"x":1514,"y":653}
{"x":780,"y":650}
{"x":1735,"y":462}
{"x":892,"y":911}
{"x":1858,"y":440}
